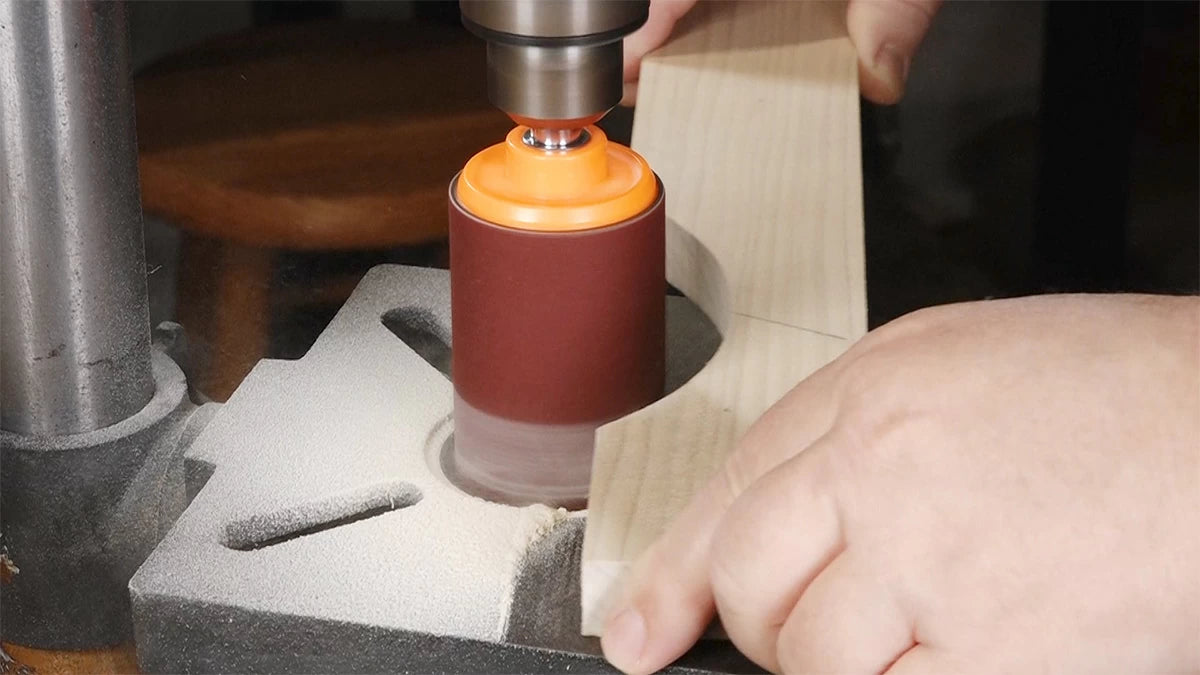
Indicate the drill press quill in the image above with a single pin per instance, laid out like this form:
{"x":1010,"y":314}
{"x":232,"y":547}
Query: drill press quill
{"x":557,"y":257}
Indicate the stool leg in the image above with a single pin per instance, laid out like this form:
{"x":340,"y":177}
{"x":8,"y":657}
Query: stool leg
{"x":198,"y":262}
{"x":224,"y":303}
{"x":242,"y":317}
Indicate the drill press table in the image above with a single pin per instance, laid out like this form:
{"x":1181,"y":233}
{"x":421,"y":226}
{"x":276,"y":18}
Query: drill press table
{"x":324,"y":535}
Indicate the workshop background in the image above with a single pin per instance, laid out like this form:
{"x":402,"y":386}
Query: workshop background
{"x":1040,"y":147}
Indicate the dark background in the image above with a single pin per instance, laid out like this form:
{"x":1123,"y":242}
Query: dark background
{"x":1041,"y":147}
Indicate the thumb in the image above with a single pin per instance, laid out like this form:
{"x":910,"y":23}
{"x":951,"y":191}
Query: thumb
{"x":656,"y":30}
{"x":652,"y":34}
{"x":886,"y":34}
{"x":668,"y":599}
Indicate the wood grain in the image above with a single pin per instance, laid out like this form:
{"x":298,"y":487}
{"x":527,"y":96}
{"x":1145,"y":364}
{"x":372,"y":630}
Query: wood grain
{"x":750,"y":116}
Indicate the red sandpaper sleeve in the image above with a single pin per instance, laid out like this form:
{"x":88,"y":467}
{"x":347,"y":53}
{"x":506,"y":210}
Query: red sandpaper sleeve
{"x":558,"y":327}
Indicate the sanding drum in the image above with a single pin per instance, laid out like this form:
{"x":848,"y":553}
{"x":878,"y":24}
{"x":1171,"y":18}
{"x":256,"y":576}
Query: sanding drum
{"x":557,"y":269}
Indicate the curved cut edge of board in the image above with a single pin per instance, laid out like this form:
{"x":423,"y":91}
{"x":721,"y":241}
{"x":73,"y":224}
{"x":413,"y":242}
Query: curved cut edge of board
{"x":693,"y":269}
{"x":751,"y":117}
{"x":672,"y":447}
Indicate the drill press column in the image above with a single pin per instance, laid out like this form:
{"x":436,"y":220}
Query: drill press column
{"x":75,"y":349}
{"x":91,"y":414}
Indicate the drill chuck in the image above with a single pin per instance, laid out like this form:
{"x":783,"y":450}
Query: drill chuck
{"x":554,"y":64}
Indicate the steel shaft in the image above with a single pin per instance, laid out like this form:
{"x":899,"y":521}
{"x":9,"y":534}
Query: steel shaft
{"x":75,"y":346}
{"x":554,"y":61}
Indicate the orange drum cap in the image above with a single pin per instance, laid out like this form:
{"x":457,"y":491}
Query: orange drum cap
{"x":590,"y":185}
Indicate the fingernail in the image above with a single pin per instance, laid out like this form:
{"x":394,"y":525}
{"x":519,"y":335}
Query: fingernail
{"x":624,"y":638}
{"x":892,"y":65}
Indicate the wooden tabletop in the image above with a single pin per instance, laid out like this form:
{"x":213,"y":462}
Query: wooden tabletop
{"x":326,"y":135}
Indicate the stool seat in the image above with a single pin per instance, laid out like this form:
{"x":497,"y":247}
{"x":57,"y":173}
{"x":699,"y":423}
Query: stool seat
{"x":329,"y":135}
{"x":318,"y":137}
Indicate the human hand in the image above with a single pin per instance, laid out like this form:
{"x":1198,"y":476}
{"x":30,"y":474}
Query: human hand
{"x":885,"y":33}
{"x":1009,"y":486}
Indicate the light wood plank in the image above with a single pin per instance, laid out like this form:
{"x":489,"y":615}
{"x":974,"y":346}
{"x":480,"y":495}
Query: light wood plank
{"x":750,"y":117}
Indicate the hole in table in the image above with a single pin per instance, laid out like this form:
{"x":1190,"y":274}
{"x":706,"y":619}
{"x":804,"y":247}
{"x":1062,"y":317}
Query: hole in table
{"x":261,"y":531}
{"x":692,"y":340}
{"x":420,"y":330}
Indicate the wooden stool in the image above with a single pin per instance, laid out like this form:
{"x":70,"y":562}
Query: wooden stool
{"x":329,"y":136}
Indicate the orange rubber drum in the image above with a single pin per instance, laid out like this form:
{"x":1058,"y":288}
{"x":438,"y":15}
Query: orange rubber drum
{"x":557,"y":278}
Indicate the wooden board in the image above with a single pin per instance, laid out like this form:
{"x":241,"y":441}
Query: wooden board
{"x":750,"y":116}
